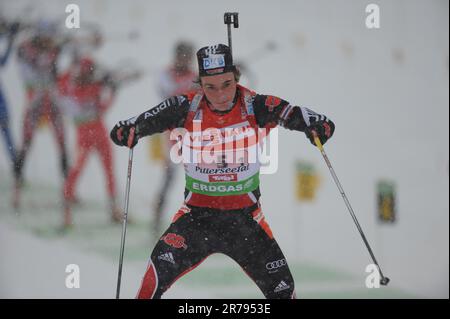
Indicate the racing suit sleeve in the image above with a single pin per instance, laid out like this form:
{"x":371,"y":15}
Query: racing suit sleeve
{"x":271,"y":111}
{"x":169,"y":114}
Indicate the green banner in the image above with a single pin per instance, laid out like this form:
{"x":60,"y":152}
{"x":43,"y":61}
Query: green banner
{"x":222,"y":188}
{"x":386,"y":201}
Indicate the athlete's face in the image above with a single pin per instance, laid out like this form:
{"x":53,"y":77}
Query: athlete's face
{"x":220,"y":90}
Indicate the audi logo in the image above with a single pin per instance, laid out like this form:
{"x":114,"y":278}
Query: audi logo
{"x":276,"y":264}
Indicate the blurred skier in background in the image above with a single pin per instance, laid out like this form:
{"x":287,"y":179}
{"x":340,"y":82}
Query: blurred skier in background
{"x":38,"y":60}
{"x":86,"y":94}
{"x":176,"y":78}
{"x":8,"y":32}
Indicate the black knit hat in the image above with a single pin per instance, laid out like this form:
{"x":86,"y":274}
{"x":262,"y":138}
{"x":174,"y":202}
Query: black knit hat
{"x":214,"y":59}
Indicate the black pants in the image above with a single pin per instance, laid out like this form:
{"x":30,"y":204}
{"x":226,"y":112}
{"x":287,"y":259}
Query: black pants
{"x":200,"y":232}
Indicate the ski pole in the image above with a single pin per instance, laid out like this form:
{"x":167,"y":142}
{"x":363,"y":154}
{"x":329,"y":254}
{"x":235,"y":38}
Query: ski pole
{"x":231,"y":18}
{"x":383,"y":280}
{"x":124,"y":222}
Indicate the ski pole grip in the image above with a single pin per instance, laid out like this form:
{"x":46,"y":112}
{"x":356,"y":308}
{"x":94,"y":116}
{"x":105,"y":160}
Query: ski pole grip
{"x":317,"y":141}
{"x":231,"y":18}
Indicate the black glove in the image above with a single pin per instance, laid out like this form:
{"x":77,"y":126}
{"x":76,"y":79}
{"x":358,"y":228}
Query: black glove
{"x":323,"y":129}
{"x":125,"y":133}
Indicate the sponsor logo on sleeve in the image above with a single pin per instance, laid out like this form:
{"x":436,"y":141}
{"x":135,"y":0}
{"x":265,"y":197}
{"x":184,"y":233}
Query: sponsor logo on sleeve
{"x":272,"y":102}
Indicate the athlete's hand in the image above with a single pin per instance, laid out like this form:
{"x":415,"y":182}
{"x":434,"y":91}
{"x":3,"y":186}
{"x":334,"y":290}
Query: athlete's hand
{"x":124,"y":133}
{"x":323,"y":129}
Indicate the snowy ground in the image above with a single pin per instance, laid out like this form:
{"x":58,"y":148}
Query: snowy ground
{"x":35,"y":255}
